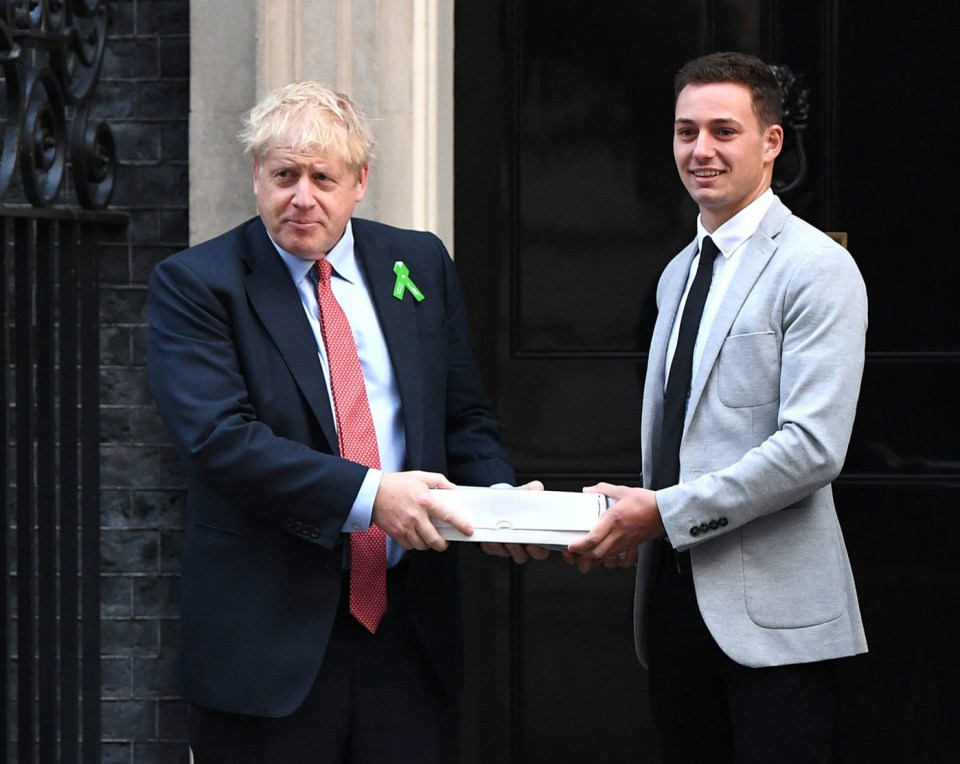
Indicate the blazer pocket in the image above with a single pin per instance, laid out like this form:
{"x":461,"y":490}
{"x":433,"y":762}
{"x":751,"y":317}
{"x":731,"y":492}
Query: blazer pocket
{"x":792,"y":570}
{"x":434,"y":349}
{"x":749,"y":370}
{"x":218,"y":532}
{"x":433,"y":336}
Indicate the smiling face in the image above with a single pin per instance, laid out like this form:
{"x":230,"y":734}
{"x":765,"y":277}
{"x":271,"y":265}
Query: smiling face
{"x":306,"y":199}
{"x":725,"y":158}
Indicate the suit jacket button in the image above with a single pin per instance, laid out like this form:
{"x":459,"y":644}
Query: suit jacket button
{"x":314,"y":533}
{"x":704,"y":527}
{"x":723,"y":522}
{"x":694,"y":531}
{"x":714,"y":524}
{"x":298,"y":526}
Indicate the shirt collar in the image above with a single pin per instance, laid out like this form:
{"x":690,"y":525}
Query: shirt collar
{"x":739,"y":228}
{"x":342,"y":258}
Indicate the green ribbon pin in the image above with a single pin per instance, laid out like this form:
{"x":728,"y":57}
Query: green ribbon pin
{"x":404,"y":282}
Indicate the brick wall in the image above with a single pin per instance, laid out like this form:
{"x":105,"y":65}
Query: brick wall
{"x":144,"y":94}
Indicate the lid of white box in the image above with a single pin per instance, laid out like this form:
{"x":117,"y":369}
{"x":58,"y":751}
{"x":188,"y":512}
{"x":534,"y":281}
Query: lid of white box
{"x":519,"y":509}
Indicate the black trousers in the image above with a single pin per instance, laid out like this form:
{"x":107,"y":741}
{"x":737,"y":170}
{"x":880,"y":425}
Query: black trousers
{"x":376,"y":700}
{"x":709,"y":709}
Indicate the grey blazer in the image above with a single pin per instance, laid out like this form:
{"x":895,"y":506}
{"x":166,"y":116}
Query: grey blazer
{"x":768,"y":423}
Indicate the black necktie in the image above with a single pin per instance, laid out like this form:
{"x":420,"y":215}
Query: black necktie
{"x":666,"y":462}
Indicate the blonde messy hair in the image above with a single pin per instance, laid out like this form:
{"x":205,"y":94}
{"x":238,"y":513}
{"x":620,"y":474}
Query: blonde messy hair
{"x":309,"y":116}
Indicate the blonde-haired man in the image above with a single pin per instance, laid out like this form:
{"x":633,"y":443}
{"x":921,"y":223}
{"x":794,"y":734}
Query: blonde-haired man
{"x":244,"y":366}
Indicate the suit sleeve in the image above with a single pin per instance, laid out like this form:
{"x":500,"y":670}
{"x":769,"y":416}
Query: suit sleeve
{"x":800,"y":439}
{"x":475,"y":451}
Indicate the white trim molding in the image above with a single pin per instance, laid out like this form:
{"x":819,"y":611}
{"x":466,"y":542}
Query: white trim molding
{"x":393,"y":57}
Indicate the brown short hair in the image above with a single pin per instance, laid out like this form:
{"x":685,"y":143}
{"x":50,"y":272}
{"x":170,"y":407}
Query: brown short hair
{"x":740,"y":68}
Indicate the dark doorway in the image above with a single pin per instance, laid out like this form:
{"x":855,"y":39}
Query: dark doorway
{"x":568,"y":207}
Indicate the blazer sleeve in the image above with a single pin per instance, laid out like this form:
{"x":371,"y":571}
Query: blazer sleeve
{"x":475,"y":451}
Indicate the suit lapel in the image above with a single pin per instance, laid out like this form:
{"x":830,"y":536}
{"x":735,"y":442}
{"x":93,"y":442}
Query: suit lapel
{"x":670,"y":293}
{"x":759,"y":249}
{"x":275,"y":300}
{"x":398,"y":321}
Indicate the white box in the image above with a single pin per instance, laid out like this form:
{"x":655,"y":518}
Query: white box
{"x":521,"y":516}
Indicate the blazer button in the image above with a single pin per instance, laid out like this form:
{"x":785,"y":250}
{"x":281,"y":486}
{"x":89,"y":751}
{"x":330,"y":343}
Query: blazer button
{"x":298,"y":526}
{"x":723,"y":522}
{"x":704,"y":527}
{"x":714,"y":524}
{"x":314,"y":533}
{"x":694,"y":531}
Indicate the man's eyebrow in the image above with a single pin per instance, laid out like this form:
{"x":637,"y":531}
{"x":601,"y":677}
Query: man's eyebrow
{"x":717,"y":121}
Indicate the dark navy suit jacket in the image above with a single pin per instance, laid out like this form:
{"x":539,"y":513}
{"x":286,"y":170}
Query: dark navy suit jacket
{"x":234,"y":371}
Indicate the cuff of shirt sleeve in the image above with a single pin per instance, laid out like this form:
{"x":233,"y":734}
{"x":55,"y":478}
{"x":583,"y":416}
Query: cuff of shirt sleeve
{"x":361,"y":513}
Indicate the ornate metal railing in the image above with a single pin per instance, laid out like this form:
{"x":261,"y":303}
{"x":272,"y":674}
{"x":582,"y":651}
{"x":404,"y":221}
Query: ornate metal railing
{"x":50,"y":55}
{"x":57,"y":172}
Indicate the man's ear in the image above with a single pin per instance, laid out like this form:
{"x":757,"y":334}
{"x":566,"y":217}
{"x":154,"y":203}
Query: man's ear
{"x":773,"y":142}
{"x":362,"y":182}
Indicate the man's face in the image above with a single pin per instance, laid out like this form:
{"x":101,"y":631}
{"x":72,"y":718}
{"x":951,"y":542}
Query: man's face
{"x":305,"y":200}
{"x":724,"y":159}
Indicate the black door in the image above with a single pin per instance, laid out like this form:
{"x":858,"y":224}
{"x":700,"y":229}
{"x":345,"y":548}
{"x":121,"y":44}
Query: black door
{"x":568,"y":206}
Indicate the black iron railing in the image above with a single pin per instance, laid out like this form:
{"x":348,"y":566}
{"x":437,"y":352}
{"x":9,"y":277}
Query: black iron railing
{"x":51,"y":545}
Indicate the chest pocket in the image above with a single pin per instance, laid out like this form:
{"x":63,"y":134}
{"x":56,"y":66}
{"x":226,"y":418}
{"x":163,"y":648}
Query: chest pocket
{"x":749,"y":370}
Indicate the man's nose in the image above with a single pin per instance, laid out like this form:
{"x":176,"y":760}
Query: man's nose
{"x":704,"y":145}
{"x":302,"y":196}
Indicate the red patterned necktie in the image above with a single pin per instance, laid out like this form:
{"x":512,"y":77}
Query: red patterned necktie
{"x":358,"y":443}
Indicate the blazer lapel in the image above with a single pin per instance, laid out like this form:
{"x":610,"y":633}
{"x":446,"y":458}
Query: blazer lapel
{"x":759,"y":250}
{"x":398,"y":321}
{"x":275,"y":300}
{"x":670,"y":293}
